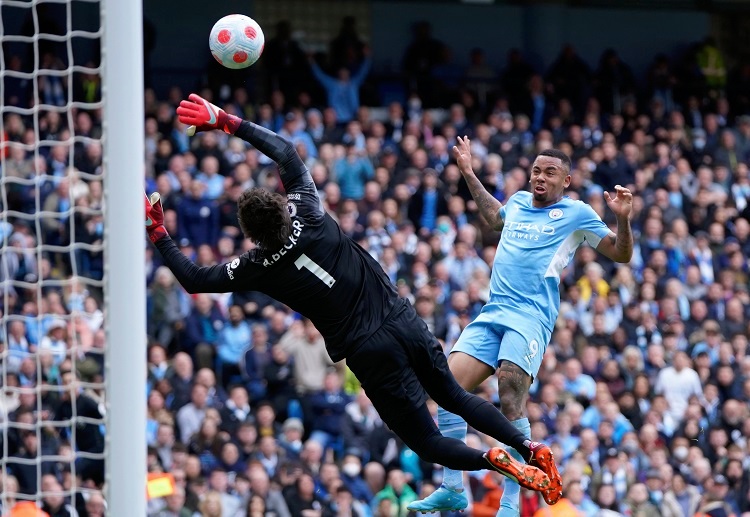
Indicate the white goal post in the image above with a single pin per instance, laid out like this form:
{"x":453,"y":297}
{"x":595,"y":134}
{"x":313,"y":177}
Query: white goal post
{"x":124,"y":263}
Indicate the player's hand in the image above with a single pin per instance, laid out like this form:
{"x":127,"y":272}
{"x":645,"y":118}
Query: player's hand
{"x":201,"y":115}
{"x":462,"y":154}
{"x":621,"y":203}
{"x":155,"y":218}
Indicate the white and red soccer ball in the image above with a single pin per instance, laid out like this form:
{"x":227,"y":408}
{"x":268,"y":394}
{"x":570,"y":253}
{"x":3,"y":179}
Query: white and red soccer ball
{"x":236,"y":41}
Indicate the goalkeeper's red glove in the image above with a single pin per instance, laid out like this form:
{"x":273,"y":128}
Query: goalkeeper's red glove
{"x":201,"y":115}
{"x":155,"y":218}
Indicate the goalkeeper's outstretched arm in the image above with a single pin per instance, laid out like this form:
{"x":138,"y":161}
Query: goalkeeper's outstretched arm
{"x":291,"y":167}
{"x":201,"y":115}
{"x":195,"y":279}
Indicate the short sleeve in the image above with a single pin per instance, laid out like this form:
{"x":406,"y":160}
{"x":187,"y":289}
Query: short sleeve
{"x":592,"y":226}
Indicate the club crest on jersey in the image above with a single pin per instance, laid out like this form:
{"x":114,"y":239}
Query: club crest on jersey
{"x":292,"y":209}
{"x":555,"y":213}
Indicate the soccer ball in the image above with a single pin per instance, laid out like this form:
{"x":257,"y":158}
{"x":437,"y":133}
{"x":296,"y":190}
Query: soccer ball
{"x":236,"y":41}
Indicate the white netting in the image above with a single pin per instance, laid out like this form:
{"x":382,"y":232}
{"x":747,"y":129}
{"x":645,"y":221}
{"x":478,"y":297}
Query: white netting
{"x":51,"y":268}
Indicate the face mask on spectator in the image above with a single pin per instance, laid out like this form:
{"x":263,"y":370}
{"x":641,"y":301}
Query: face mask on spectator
{"x":681,"y":453}
{"x":351,"y":469}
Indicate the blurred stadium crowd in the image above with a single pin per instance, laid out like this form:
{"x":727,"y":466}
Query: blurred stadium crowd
{"x":644,"y":393}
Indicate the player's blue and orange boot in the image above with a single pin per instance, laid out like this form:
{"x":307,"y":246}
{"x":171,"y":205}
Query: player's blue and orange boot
{"x":524,"y":474}
{"x":527,"y":476}
{"x":444,"y":499}
{"x":541,"y":456}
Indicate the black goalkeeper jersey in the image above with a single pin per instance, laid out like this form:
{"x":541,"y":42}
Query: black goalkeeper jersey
{"x":320,"y":272}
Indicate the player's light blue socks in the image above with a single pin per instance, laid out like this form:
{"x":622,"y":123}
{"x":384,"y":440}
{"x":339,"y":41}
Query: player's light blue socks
{"x":452,"y":426}
{"x":509,"y":504}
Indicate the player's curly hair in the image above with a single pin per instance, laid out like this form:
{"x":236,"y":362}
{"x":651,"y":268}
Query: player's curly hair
{"x":264,"y":218}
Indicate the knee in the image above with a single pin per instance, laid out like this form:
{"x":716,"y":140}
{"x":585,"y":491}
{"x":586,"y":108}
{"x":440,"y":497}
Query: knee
{"x":512,"y":399}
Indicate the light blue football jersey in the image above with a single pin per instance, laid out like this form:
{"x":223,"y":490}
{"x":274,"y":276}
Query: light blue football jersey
{"x":535,"y":246}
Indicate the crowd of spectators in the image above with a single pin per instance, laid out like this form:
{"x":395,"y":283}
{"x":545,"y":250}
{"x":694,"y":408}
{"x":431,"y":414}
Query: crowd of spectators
{"x":644,"y":393}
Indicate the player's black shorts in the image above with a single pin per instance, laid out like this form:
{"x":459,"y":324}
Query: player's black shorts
{"x":399,"y":363}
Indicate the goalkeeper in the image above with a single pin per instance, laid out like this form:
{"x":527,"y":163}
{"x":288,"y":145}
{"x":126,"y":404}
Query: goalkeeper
{"x":303,"y":260}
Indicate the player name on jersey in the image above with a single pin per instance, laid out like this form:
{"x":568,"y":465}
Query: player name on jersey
{"x":293,"y":238}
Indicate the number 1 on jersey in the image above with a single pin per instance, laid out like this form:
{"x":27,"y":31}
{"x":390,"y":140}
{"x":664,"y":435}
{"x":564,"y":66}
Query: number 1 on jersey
{"x":306,"y":262}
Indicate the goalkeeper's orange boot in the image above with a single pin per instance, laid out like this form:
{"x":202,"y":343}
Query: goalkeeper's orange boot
{"x":525,"y":475}
{"x":541,"y":456}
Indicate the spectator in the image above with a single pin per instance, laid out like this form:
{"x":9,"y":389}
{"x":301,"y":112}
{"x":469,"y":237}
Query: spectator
{"x":302,"y":497}
{"x":211,"y":505}
{"x":577,"y":382}
{"x":329,"y":406}
{"x":180,"y":377}
{"x":352,"y":172}
{"x":203,"y":330}
{"x":678,"y":383}
{"x":167,"y":305}
{"x":343,"y":90}
{"x":233,"y":340}
{"x":175,"y":505}
{"x":359,"y":421}
{"x":681,"y":499}
{"x":422,"y":55}
{"x":637,"y":502}
{"x":615,"y":473}
{"x":397,"y":492}
{"x":209,"y":176}
{"x":260,"y":486}
{"x":291,"y":439}
{"x":280,"y":381}
{"x":198,"y":216}
{"x":428,"y":203}
{"x":305,"y":345}
{"x":190,"y":416}
{"x":236,"y":410}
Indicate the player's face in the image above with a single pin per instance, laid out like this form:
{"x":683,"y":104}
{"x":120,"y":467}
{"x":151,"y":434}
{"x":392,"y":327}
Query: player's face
{"x":549,"y":179}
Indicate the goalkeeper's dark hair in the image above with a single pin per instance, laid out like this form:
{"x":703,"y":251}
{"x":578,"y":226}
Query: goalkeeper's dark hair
{"x":264,"y":218}
{"x":556,"y":153}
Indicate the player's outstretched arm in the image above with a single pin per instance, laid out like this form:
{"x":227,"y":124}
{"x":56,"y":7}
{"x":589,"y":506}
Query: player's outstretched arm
{"x":619,"y":246}
{"x":194,"y":279}
{"x":488,"y":206}
{"x":201,"y":115}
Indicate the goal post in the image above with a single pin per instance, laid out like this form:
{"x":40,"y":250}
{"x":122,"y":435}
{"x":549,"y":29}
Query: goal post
{"x":125,"y":294}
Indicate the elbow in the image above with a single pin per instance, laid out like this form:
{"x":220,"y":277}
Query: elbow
{"x":287,"y":149}
{"x":624,"y":258}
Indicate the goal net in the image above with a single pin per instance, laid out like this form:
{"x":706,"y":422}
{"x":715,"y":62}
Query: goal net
{"x":71,"y":331}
